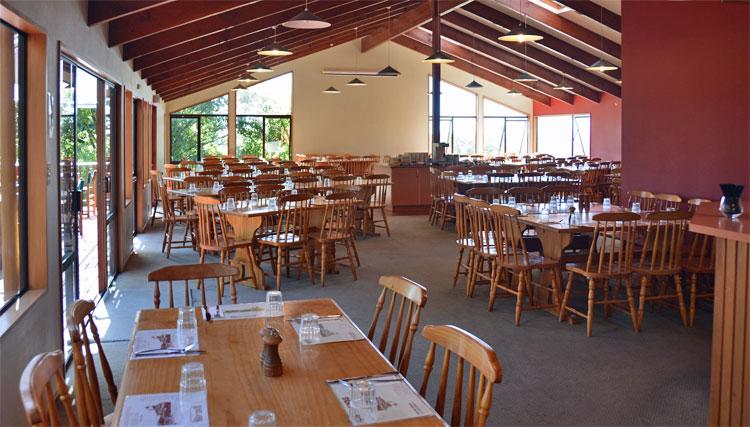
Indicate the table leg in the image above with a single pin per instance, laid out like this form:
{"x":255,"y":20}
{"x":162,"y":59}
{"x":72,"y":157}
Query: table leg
{"x":553,"y":245}
{"x":244,"y":230}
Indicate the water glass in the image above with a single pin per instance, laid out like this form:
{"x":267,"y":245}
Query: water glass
{"x":231,"y":204}
{"x":272,"y":202}
{"x":192,"y":394}
{"x":635,"y":207}
{"x":216,"y":186}
{"x":362,"y":402}
{"x":523,"y":209}
{"x":606,"y":203}
{"x":274,"y":304}
{"x":262,"y":418}
{"x":495,"y":201}
{"x":187,"y":327}
{"x":327,"y":182}
{"x":254,"y":200}
{"x":192,"y":188}
{"x":571,"y":201}
{"x":309,"y":329}
{"x":512,"y":201}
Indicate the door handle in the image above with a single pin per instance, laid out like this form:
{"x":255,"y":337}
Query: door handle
{"x":107,"y":182}
{"x":75,"y":202}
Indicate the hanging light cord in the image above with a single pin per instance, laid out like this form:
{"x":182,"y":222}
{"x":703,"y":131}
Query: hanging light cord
{"x":356,"y":55}
{"x":388,"y":45}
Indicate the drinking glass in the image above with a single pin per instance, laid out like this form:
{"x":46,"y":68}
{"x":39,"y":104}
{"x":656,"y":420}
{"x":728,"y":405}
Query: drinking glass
{"x":606,"y":203}
{"x":187,"y":327}
{"x":191,"y":188}
{"x":362,"y":402}
{"x":262,"y":418}
{"x":309,"y":329}
{"x":272,"y":202}
{"x":254,"y":200}
{"x":512,"y":201}
{"x":231,"y":204}
{"x":192,"y":393}
{"x":216,"y":186}
{"x":495,"y":201}
{"x":635,"y":207}
{"x":523,"y":209}
{"x":274,"y":304}
{"x":571,"y":201}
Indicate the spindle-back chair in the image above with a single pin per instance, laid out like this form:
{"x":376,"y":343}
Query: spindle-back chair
{"x":336,"y":228}
{"x":463,"y":238}
{"x":200,"y":272}
{"x":42,"y":385}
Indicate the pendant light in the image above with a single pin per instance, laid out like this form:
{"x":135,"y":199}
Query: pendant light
{"x":356,"y":81}
{"x":274,"y":49}
{"x":331,"y":90}
{"x":388,"y":70}
{"x":513,"y":91}
{"x":474,"y":84}
{"x":247,"y":78}
{"x":437,"y":57}
{"x":259,"y":67}
{"x":524,"y":76}
{"x":602,"y":64}
{"x":563,"y":85}
{"x":306,"y":20}
{"x":238,"y":88}
{"x":522,"y":33}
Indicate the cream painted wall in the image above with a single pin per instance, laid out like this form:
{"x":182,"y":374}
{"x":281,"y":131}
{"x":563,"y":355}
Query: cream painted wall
{"x":39,"y":327}
{"x":388,"y":116}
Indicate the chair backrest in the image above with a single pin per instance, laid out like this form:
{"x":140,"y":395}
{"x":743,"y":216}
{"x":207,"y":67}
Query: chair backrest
{"x":240,"y":193}
{"x":508,"y":235}
{"x":611,"y":249}
{"x":294,"y":216}
{"x":410,"y":298}
{"x":338,"y":218}
{"x":185,"y":273}
{"x":694,"y":203}
{"x":89,"y":402}
{"x":530,"y":177}
{"x":199,"y":181}
{"x":526,"y":194}
{"x":305,"y":182}
{"x":463,"y":221}
{"x":559,"y":190}
{"x":42,"y":383}
{"x":154,"y":177}
{"x":662,"y":248}
{"x":380,"y":183}
{"x":665,"y":202}
{"x":488,"y":194}
{"x":482,"y":231}
{"x":645,"y":198}
{"x":343,"y":180}
{"x":212,"y":226}
{"x":483,"y":362}
{"x":167,"y":207}
{"x":267,"y":191}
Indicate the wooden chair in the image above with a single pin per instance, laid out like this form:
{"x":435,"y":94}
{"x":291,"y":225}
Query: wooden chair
{"x":610,"y":258}
{"x":698,"y":264}
{"x":171,"y":219}
{"x":694,"y":203}
{"x":240,"y":194}
{"x":200,"y":181}
{"x":410,"y":297}
{"x":530,"y":195}
{"x":559,"y":190}
{"x":482,"y":362}
{"x":488,"y":194}
{"x":514,"y":260}
{"x":214,"y":236}
{"x":42,"y":384}
{"x":338,"y":180}
{"x":530,"y":177}
{"x":154,"y":178}
{"x":291,"y":233}
{"x":336,"y":228}
{"x":88,"y":398}
{"x":200,"y":272}
{"x":463,"y":238}
{"x":667,"y":202}
{"x":661,"y":259}
{"x":447,"y":188}
{"x":378,"y":202}
{"x":645,"y":198}
{"x":485,"y":250}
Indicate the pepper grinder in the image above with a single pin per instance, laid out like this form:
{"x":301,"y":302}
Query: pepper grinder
{"x":269,"y":358}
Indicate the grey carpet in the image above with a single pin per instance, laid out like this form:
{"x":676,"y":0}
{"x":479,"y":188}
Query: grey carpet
{"x":552,"y":373}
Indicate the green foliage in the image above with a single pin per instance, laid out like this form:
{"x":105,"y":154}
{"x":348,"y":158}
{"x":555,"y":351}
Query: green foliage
{"x":184,"y":139}
{"x":218,"y":105}
{"x":249,"y":136}
{"x":86,"y":135}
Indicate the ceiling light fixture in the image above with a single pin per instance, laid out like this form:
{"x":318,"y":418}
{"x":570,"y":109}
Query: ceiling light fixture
{"x":238,"y":88}
{"x":306,"y":20}
{"x":513,"y":92}
{"x":247,"y":78}
{"x":473,"y":84}
{"x":524,"y":76}
{"x":331,"y":89}
{"x":259,"y":67}
{"x":388,"y":70}
{"x":274,"y":49}
{"x":437,"y":57}
{"x":602,"y":64}
{"x":522,"y":33}
{"x":356,"y":81}
{"x":563,"y":85}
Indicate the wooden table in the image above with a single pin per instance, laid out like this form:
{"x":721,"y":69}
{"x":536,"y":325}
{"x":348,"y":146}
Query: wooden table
{"x":234,"y":378}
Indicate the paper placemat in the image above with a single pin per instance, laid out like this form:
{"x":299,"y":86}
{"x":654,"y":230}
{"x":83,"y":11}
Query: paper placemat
{"x":396,"y":400}
{"x":333,"y":330}
{"x":161,"y":409}
{"x":159,"y":339}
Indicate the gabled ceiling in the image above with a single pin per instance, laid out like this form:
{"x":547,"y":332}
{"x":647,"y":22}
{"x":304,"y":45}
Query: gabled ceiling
{"x":184,"y":46}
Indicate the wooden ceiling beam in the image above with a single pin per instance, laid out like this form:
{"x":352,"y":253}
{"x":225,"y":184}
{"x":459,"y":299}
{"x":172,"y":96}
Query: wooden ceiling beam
{"x":482,"y":73}
{"x":414,"y":18}
{"x":245,"y":50}
{"x":597,"y":13}
{"x":515,"y":61}
{"x":531,"y":51}
{"x":457,"y":50}
{"x":541,"y":17}
{"x":100,"y":11}
{"x":550,"y":41}
{"x":164,"y":17}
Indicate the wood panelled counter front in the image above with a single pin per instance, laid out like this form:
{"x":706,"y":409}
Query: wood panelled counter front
{"x":234,"y":377}
{"x":411,"y":190}
{"x":729,"y":403}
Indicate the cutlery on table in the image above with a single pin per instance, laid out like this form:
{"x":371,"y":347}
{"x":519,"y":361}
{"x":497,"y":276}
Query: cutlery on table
{"x":158,"y":351}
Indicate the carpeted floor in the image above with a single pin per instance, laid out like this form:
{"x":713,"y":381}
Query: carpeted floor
{"x":552,"y":373}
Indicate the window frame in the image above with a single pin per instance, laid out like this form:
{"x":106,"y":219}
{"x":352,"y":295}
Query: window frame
{"x":197,"y":117}
{"x":264,"y":117}
{"x":574,"y":127}
{"x":22,"y":157}
{"x":452,"y":118}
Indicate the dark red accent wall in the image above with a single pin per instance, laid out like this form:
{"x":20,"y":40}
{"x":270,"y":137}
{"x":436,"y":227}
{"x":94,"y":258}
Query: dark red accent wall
{"x":606,"y":125}
{"x":686,"y":96}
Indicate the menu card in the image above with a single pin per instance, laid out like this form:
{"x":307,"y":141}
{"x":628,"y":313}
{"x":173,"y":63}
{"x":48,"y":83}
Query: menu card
{"x":333,"y":329}
{"x":161,"y":409}
{"x":158,"y":343}
{"x":251,"y":310}
{"x":396,"y":400}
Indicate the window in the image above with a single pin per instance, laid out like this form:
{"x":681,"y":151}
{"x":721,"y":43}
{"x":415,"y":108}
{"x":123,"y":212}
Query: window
{"x":505,"y":130}
{"x":564,"y":135}
{"x":13,"y":267}
{"x":264,"y":118}
{"x":200,"y":130}
{"x":458,"y":118}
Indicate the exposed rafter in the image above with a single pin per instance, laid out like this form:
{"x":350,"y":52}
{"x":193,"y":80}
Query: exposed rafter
{"x":595,"y":12}
{"x":100,"y":11}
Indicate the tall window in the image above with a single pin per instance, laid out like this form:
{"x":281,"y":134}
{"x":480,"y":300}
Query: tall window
{"x":458,"y":118}
{"x":505,"y":130}
{"x":13,"y":277}
{"x":564,"y":135}
{"x":264,"y":118}
{"x":200,"y":130}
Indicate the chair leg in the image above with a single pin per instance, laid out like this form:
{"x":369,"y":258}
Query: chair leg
{"x":322,"y":264}
{"x":693,"y":294}
{"x":680,"y":298}
{"x":631,"y":304}
{"x":566,"y":296}
{"x":642,"y":301}
{"x":385,"y":222}
{"x":354,"y":248}
{"x":590,"y":318}
{"x":556,"y":290}
{"x":308,"y":261}
{"x":169,"y":242}
{"x":164,"y":239}
{"x":519,"y":296}
{"x":493,"y":290}
{"x":279,"y":266}
{"x":351,"y":259}
{"x":458,"y":265}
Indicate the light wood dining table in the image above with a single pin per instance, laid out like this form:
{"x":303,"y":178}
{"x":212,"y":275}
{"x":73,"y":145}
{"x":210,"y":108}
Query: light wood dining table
{"x":234,"y":377}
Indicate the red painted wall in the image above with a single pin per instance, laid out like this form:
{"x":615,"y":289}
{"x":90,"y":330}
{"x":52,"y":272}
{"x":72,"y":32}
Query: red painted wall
{"x":686,"y":96}
{"x":606,"y":122}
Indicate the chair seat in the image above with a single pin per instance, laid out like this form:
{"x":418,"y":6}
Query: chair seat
{"x":647,"y":269}
{"x":286,"y":238}
{"x":534,"y":262}
{"x":580,"y":269}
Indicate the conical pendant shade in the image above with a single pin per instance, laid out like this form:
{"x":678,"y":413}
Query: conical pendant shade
{"x":259,"y":67}
{"x":513,"y":92}
{"x":331,"y":89}
{"x":602,"y":65}
{"x":474,"y":84}
{"x":237,"y":88}
{"x":306,"y":20}
{"x":389,"y":71}
{"x":525,"y":77}
{"x":563,"y":86}
{"x":521,"y":34}
{"x":438,"y":58}
{"x":274,"y":49}
{"x":356,"y":82}
{"x":247,"y":78}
